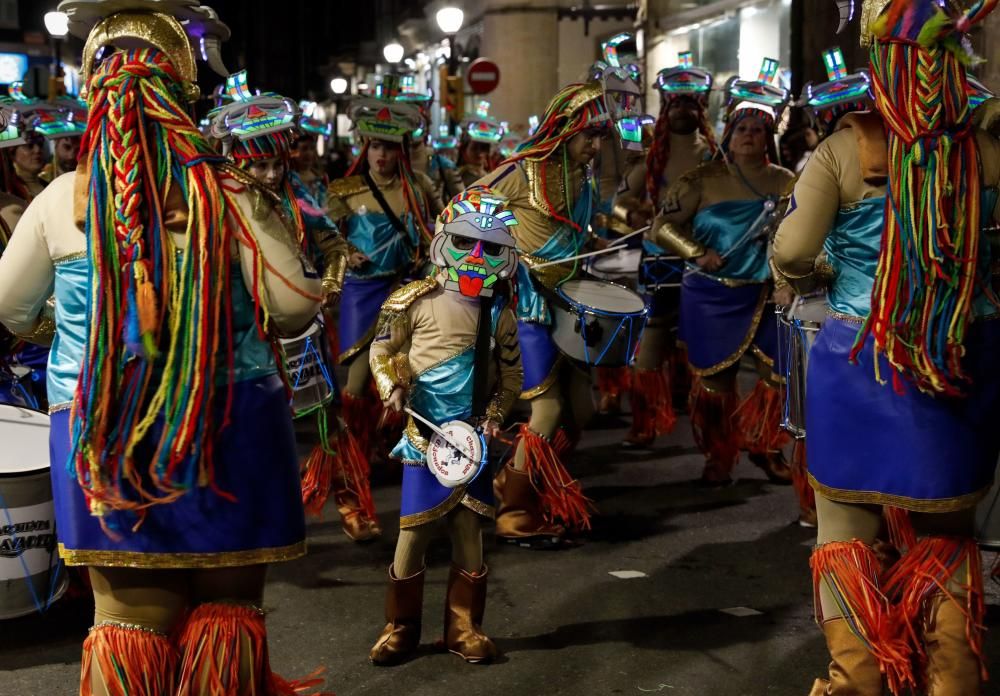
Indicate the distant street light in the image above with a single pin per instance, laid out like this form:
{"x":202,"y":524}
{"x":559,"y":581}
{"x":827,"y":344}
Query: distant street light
{"x":393,"y":53}
{"x":338,"y":85}
{"x":450,"y":19}
{"x":57,"y":24}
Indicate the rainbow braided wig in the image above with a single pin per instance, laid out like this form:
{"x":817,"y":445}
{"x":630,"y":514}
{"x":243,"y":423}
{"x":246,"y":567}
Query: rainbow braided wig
{"x":159,"y":323}
{"x":922,"y":301}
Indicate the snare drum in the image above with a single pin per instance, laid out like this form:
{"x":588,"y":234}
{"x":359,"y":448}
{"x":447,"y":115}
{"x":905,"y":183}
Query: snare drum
{"x":617,"y":265}
{"x":456,"y":468}
{"x":31,"y":574}
{"x":798,"y":326}
{"x":308,"y":369}
{"x":660,"y":271}
{"x":988,"y":518}
{"x":597,"y":322}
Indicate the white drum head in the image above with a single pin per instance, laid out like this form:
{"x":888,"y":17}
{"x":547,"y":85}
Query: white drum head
{"x":618,"y":263}
{"x":603,"y":296}
{"x":451,"y":468}
{"x":25,"y":437}
{"x":313,"y":332}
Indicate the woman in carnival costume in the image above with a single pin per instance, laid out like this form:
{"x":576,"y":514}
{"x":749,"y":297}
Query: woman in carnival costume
{"x":903,"y":388}
{"x":479,"y":148}
{"x":447,"y":346}
{"x":383,"y":209}
{"x":258,"y":132}
{"x":682,"y":141}
{"x":23,"y":164}
{"x":170,"y":431}
{"x":717,"y":218}
{"x":549,"y":187}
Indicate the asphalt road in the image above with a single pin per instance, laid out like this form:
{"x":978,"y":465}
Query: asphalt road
{"x":719,"y":603}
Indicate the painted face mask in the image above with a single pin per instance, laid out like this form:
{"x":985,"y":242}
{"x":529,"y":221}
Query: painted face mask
{"x":474,"y":245}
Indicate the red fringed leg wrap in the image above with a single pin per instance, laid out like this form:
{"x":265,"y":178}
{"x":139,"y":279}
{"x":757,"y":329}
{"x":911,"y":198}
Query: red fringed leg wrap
{"x":360,"y":415}
{"x":681,"y":380}
{"x":332,"y":337}
{"x":347,"y":470}
{"x":560,"y":494}
{"x":652,"y":406}
{"x":712,"y":425}
{"x":224,"y":653}
{"x":612,"y":382}
{"x":758,"y":420}
{"x":901,"y":532}
{"x":800,"y":479}
{"x":925,"y":571}
{"x":564,"y":444}
{"x":850,"y":571}
{"x":131,"y":660}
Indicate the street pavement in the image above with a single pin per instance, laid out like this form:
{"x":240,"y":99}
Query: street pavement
{"x":677,"y":590}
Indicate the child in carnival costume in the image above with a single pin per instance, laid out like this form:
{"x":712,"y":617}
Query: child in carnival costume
{"x":682,"y":141}
{"x":717,"y":218}
{"x":549,"y":186}
{"x":170,"y":432}
{"x":383,"y":208}
{"x":903,"y":389}
{"x":447,"y":346}
{"x":257,"y":132}
{"x":477,"y":153}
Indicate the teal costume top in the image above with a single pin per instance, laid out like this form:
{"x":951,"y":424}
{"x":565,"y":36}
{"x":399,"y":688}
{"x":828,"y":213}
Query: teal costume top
{"x":724,"y":226}
{"x":390,"y":252}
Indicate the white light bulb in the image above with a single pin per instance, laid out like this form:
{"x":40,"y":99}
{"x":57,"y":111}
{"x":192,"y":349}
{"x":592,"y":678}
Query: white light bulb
{"x":338,"y":85}
{"x":393,"y":52}
{"x":57,"y":23}
{"x":450,"y":19}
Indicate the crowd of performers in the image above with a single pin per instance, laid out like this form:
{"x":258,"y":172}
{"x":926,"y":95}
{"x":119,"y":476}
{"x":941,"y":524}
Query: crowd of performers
{"x":165,"y":283}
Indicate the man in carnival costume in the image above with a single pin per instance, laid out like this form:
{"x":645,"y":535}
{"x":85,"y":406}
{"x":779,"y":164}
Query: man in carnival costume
{"x":717,"y":218}
{"x":383,"y":208}
{"x":65,"y":137}
{"x":167,"y":289}
{"x":682,"y":140}
{"x":447,"y":346}
{"x":903,"y":388}
{"x":549,"y":187}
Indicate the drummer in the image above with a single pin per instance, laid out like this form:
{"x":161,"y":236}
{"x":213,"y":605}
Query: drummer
{"x":428,"y":353}
{"x":549,"y":188}
{"x":903,"y":387}
{"x":479,"y":147}
{"x":826,"y":104}
{"x":682,"y":140}
{"x":384,"y":208}
{"x":715,"y":217}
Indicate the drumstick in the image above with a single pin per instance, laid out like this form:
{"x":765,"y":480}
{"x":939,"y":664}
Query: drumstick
{"x":617,"y":246}
{"x":447,"y":438}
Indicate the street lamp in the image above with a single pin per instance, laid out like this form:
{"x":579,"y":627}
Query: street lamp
{"x":449,"y":20}
{"x":338,"y":85}
{"x":57,"y":24}
{"x":393,"y":52}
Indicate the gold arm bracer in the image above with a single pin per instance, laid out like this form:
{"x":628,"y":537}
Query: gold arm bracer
{"x":391,"y":371}
{"x":500,"y":405}
{"x":672,"y":238}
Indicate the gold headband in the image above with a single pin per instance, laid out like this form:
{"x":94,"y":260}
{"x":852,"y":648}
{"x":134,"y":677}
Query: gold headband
{"x":871,"y":10}
{"x":156,"y":29}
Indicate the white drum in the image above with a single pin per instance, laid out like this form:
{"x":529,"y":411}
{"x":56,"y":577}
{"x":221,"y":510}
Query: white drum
{"x":309,"y":370}
{"x":798,"y":327}
{"x":453,"y":468}
{"x":615,"y":265}
{"x":988,"y":518}
{"x":31,"y":574}
{"x":597,"y":322}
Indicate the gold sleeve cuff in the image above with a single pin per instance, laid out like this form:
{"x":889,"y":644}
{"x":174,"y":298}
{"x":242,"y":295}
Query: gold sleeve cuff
{"x":333,"y":274}
{"x":671,"y":238}
{"x":45,"y":330}
{"x":391,"y":371}
{"x":500,"y":405}
{"x":821,"y":276}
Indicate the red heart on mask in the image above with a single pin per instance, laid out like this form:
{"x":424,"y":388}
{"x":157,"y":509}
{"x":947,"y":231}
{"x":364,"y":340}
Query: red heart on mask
{"x":470,"y":286}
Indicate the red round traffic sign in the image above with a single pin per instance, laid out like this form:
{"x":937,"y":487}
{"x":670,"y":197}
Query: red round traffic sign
{"x":483,"y":76}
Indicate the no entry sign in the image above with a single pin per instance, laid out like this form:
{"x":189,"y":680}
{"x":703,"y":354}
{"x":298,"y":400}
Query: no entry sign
{"x":483,"y":76}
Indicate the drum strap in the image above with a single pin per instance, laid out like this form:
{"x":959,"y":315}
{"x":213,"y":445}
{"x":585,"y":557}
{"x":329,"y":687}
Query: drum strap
{"x":481,"y":359}
{"x":386,"y":208}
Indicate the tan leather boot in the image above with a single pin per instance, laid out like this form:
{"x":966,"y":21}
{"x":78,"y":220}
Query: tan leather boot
{"x":463,"y":616}
{"x":353,"y":519}
{"x":404,"y":603}
{"x":952,"y":666}
{"x":853,"y":670}
{"x":519,"y":513}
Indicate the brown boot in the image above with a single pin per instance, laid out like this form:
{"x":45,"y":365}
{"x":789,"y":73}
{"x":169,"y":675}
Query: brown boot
{"x":774,"y":465}
{"x":404,"y":603}
{"x":463,"y":616}
{"x":519,"y":512}
{"x":952,"y":666}
{"x":357,"y":525}
{"x":853,"y":669}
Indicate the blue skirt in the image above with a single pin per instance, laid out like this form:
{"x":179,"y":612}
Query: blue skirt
{"x":424,"y":500}
{"x":539,"y":358}
{"x":255,"y":461}
{"x":868,"y":444}
{"x":360,"y":304}
{"x":719,"y":323}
